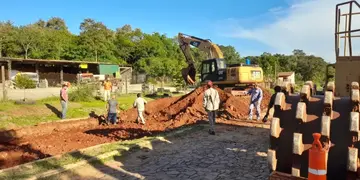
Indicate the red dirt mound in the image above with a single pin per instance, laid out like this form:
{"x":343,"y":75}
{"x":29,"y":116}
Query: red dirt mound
{"x":27,"y":144}
{"x":189,"y":108}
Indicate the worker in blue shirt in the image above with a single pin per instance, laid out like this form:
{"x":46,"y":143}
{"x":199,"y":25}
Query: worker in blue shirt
{"x":255,"y":101}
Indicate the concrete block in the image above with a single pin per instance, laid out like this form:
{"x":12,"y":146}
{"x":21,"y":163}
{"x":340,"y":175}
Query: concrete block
{"x":352,"y":159}
{"x":330,"y":86}
{"x":295,"y":172}
{"x":354,"y":122}
{"x":298,"y":146}
{"x":354,"y":85}
{"x":305,"y":92}
{"x":328,"y":99}
{"x":272,"y":161}
{"x":280,"y":100}
{"x":301,"y":112}
{"x":355,"y":96}
{"x":325,"y":126}
{"x":275,"y":129}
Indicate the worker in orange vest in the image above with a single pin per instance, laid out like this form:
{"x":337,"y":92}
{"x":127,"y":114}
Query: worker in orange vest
{"x":107,"y":89}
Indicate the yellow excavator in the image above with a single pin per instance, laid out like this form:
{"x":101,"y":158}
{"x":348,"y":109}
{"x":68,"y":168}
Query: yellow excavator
{"x":232,"y":77}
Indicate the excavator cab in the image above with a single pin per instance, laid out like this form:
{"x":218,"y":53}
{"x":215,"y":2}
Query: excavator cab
{"x":209,"y":66}
{"x":213,"y":69}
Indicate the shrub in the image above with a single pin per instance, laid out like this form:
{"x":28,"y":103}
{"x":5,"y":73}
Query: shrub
{"x":82,"y":93}
{"x":24,"y":82}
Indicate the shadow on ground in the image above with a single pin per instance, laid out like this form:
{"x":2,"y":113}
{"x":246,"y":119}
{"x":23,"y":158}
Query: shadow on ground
{"x":233,"y":153}
{"x":54,"y":110}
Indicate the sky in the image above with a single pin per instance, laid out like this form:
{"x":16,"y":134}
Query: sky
{"x":252,"y":27}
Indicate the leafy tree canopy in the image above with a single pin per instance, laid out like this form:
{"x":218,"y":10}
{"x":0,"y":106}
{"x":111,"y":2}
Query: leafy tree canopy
{"x":155,"y":54}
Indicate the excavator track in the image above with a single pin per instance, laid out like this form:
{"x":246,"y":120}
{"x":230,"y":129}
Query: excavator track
{"x":297,"y":117}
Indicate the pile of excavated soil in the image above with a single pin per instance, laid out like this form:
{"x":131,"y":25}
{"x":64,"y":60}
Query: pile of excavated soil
{"x":189,"y":108}
{"x":19,"y":146}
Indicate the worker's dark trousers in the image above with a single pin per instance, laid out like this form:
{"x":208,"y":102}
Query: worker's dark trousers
{"x":212,"y":117}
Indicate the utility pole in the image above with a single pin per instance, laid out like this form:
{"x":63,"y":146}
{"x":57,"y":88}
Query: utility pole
{"x":3,"y":83}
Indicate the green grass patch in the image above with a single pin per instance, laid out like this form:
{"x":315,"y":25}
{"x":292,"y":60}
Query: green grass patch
{"x":7,"y":105}
{"x":37,"y":167}
{"x":75,"y":110}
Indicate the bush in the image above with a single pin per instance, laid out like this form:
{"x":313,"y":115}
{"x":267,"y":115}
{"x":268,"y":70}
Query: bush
{"x":82,"y":93}
{"x":24,"y":82}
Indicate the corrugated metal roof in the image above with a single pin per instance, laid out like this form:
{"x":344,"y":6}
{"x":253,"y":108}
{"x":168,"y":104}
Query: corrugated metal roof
{"x":51,"y":61}
{"x":282,"y":74}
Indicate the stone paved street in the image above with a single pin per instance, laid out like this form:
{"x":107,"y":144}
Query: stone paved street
{"x":233,"y":153}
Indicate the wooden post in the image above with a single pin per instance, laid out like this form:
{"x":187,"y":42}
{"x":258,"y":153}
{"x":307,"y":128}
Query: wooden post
{"x":9,"y":69}
{"x":3,"y":83}
{"x":61,"y":74}
{"x":126,"y":84}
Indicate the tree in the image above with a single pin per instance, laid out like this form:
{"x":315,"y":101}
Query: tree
{"x":40,"y":23}
{"x":56,"y":23}
{"x":97,"y":38}
{"x":156,"y":54}
{"x":298,"y":52}
{"x":159,"y":67}
{"x":27,"y":37}
{"x":6,"y":33}
{"x":231,"y":56}
{"x":125,"y":43}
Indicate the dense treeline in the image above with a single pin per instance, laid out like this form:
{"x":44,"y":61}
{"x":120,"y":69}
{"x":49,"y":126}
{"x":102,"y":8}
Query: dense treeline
{"x":156,"y":54}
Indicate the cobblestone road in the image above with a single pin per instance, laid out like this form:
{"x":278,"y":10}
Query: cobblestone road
{"x":233,"y":153}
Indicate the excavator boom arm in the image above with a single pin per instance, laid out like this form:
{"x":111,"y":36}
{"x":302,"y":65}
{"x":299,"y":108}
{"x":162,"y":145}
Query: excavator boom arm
{"x":212,"y":50}
{"x":185,"y":41}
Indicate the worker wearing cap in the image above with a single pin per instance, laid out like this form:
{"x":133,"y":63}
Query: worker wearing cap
{"x":107,"y":89}
{"x":64,"y":99}
{"x":255,"y":101}
{"x":211,"y":103}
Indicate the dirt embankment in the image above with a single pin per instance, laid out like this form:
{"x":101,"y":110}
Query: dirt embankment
{"x":27,"y":144}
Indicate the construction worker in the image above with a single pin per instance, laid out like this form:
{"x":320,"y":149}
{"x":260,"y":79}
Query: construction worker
{"x":64,"y":99}
{"x":211,"y":104}
{"x":271,"y":103}
{"x":140,"y":105}
{"x":255,"y":101}
{"x":107,"y":89}
{"x":112,"y":106}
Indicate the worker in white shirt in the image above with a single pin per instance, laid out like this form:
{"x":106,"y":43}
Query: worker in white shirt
{"x":140,"y":105}
{"x":211,"y":104}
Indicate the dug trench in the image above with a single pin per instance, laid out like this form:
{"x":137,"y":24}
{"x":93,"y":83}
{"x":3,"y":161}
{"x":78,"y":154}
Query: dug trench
{"x":18,"y":146}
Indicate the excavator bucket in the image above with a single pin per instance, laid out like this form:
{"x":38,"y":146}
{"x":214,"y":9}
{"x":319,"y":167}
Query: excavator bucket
{"x":189,"y":74}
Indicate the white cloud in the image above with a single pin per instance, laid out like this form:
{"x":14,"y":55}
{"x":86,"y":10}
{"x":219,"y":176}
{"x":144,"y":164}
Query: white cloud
{"x":276,"y":9}
{"x":307,"y":25}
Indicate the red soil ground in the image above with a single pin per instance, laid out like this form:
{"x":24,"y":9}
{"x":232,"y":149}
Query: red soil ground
{"x":27,"y":144}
